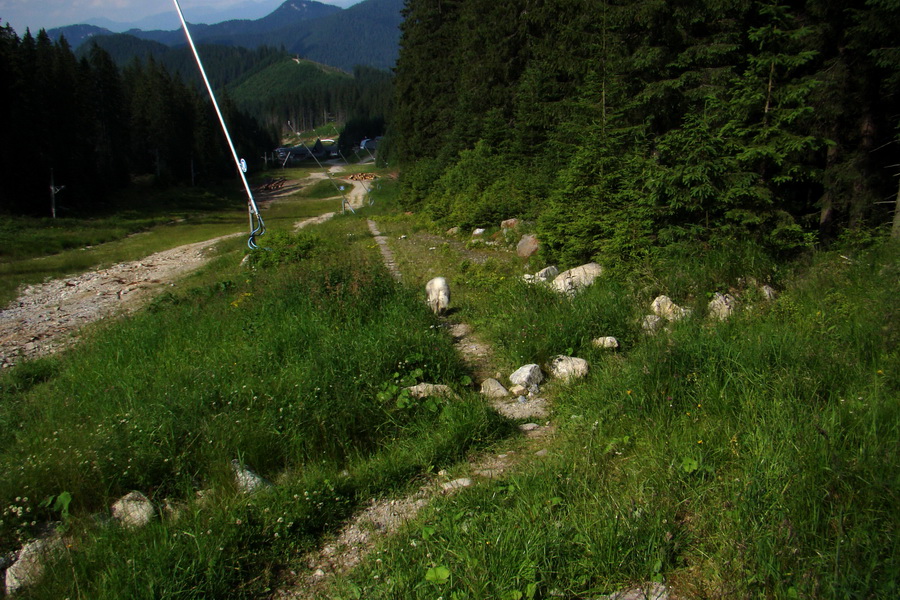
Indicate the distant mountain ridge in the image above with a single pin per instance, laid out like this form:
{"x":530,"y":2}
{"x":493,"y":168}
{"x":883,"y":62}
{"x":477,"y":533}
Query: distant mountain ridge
{"x":168,"y":19}
{"x":365,"y":34}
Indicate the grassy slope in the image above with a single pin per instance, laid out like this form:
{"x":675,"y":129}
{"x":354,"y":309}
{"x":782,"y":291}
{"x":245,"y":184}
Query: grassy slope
{"x":290,"y":370}
{"x":755,"y":457}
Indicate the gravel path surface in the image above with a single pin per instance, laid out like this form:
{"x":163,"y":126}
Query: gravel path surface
{"x":44,"y":316}
{"x":43,"y":319}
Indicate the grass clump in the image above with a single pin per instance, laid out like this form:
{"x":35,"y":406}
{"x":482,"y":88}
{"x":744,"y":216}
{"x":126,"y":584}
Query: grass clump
{"x":284,"y":248}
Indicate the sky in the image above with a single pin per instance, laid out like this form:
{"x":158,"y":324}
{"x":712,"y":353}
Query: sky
{"x":46,"y":14}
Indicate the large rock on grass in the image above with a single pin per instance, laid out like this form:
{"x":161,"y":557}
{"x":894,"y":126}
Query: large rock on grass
{"x":493,"y":389}
{"x":527,"y":376}
{"x":247,"y":481}
{"x":547,"y":275}
{"x":527,"y":246}
{"x":430,"y":390}
{"x":568,"y":368}
{"x":663,"y":307}
{"x":133,"y":509}
{"x":721,"y":306}
{"x":607,"y":341}
{"x":574,"y":280}
{"x":29,"y":565}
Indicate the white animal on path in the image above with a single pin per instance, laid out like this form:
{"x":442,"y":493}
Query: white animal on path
{"x":438,"y":293}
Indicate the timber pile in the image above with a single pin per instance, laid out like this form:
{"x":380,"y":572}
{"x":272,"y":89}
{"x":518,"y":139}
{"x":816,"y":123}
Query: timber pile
{"x":362,"y":177}
{"x":272,"y":184}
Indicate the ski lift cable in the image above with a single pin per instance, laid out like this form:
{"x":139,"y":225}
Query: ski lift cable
{"x":257,"y":226}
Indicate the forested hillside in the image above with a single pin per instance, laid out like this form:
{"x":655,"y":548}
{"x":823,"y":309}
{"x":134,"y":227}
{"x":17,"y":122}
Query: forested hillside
{"x":225,"y":65}
{"x":96,"y":124}
{"x":94,"y":127}
{"x":309,"y":94}
{"x":267,"y":84}
{"x":625,"y":128}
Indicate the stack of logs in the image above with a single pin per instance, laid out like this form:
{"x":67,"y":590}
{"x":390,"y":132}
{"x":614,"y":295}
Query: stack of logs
{"x":362,"y":177}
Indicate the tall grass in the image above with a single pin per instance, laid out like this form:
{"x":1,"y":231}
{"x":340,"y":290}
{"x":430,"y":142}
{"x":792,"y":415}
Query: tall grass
{"x":751,"y":458}
{"x":282,"y":369}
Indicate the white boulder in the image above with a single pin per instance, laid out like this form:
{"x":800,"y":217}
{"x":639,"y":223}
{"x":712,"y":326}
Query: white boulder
{"x":133,"y":509}
{"x":247,"y":481}
{"x":568,"y":367}
{"x":662,"y":306}
{"x":29,"y":565}
{"x":527,"y":376}
{"x":606,"y":342}
{"x":548,"y":274}
{"x":574,"y":280}
{"x":721,"y":306}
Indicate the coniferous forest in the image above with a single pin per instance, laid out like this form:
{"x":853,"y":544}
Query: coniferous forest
{"x":92,"y":127}
{"x":95,"y":123}
{"x":628,"y":126}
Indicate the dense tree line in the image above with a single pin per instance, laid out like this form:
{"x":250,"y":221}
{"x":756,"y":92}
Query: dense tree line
{"x":627,"y":125}
{"x":224,"y":65}
{"x":94,"y":127}
{"x":308,"y":94}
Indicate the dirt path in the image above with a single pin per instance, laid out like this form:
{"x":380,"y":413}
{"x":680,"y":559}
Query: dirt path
{"x":44,"y":316}
{"x":43,"y":319}
{"x":384,"y":517}
{"x":355,"y":196}
{"x":386,"y":253}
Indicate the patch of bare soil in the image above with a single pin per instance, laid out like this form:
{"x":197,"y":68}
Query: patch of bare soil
{"x":476,"y":354}
{"x":44,"y":316}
